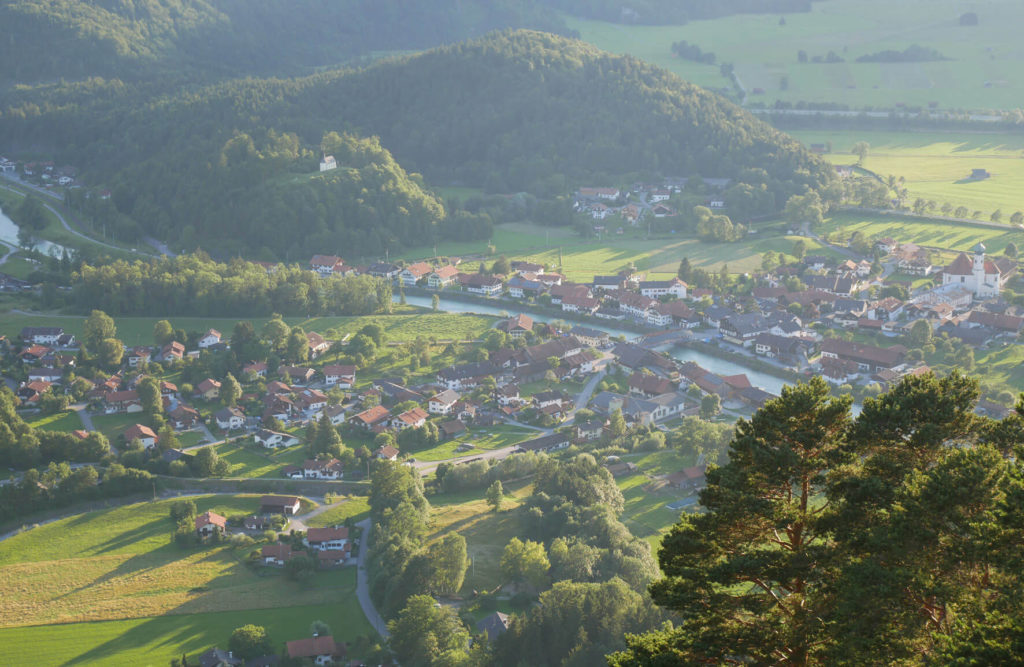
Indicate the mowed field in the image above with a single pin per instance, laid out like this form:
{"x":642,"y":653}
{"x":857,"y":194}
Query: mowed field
{"x":582,"y":259}
{"x":119,"y":566}
{"x":936,"y":165}
{"x":953,"y":236}
{"x":982,"y":71}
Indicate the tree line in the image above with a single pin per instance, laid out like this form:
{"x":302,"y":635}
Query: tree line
{"x":196,"y":285}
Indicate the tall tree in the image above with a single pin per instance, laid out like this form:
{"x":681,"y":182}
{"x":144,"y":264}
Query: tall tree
{"x":163,"y":333}
{"x":424,"y":632}
{"x":97,"y":327}
{"x":495,"y":495}
{"x":745,"y":577}
{"x":525,"y":561}
{"x":450,"y":561}
{"x":230,"y":390}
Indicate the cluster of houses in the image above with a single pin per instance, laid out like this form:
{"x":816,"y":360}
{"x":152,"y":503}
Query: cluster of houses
{"x":44,"y":171}
{"x":642,"y":200}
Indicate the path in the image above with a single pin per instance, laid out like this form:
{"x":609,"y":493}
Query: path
{"x":584,"y":396}
{"x":299,"y":522}
{"x":65,"y":222}
{"x":363,"y":583}
{"x":427,"y":467}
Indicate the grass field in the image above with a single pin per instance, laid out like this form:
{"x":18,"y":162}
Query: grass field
{"x":356,"y":508}
{"x":65,"y":422}
{"x":982,"y":71}
{"x":494,"y":437}
{"x":952,"y":235}
{"x":486,"y":532}
{"x":113,"y":426}
{"x":398,"y":327}
{"x":119,"y":565}
{"x":582,"y":259}
{"x":645,"y":511}
{"x":248,"y":462}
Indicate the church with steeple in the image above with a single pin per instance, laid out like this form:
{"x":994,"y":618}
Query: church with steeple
{"x":983,"y":277}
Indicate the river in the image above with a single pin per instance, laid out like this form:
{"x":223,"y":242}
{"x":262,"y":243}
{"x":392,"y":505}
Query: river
{"x":9,"y":235}
{"x":765,"y":381}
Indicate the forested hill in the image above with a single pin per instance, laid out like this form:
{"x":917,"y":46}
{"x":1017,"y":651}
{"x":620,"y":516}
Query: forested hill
{"x":233,"y":165}
{"x":52,"y":39}
{"x":532,"y":111}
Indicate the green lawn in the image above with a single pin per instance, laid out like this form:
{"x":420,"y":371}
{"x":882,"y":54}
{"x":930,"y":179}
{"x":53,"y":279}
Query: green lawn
{"x":936,"y":165}
{"x":156,"y":640}
{"x":18,"y":266}
{"x":246,"y":461}
{"x":65,"y":422}
{"x":113,"y":426}
{"x":156,"y":600}
{"x":645,"y":511}
{"x":356,"y":508}
{"x":982,"y":72}
{"x":493,"y":437}
{"x":955,"y":236}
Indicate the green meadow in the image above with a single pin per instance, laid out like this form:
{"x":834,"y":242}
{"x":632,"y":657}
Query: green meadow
{"x":127,"y":595}
{"x":954,"y":236}
{"x":936,"y":165}
{"x":981,"y":70}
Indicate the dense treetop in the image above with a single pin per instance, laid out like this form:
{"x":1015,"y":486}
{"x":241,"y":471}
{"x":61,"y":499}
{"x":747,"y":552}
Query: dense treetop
{"x":50,"y":39}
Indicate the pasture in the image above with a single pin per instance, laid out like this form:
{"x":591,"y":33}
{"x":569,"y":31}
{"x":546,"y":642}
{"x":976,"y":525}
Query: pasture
{"x":955,"y":236}
{"x":981,"y":70}
{"x":937,"y":165}
{"x":126,"y":590}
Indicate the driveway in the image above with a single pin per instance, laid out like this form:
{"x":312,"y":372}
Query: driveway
{"x":363,"y":583}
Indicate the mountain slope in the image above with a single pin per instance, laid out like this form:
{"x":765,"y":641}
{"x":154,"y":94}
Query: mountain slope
{"x":229,"y":165}
{"x":129,"y":39}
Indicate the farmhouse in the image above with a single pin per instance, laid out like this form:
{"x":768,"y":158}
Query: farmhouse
{"x":209,"y":523}
{"x":321,"y":650}
{"x":326,"y":538}
{"x":142,"y":433}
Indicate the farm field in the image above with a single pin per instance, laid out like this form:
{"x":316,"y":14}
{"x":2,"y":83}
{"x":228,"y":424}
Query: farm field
{"x":404,"y":325}
{"x":119,"y":570}
{"x":980,"y":73}
{"x":936,"y":165}
{"x":65,"y":422}
{"x":582,"y":259}
{"x":954,"y":236}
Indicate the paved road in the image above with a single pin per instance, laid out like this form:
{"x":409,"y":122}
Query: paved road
{"x":363,"y":583}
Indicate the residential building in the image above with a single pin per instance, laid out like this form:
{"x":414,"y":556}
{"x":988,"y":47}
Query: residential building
{"x":230,"y":419}
{"x":209,"y":523}
{"x":341,"y":375}
{"x":211,"y":337}
{"x":442,"y":403}
{"x":142,"y":433}
{"x":322,"y":469}
{"x":286,"y":505}
{"x":413,"y":418}
{"x":273,"y":439}
{"x":367,"y":419}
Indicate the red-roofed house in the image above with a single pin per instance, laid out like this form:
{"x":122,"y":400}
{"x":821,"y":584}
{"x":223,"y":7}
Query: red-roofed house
{"x":340,"y":375}
{"x":326,"y":538}
{"x":209,"y":523}
{"x":321,"y":650}
{"x":142,"y":433}
{"x":370,"y":418}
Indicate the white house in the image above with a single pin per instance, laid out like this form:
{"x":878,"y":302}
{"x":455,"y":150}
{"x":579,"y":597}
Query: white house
{"x":322,"y":469}
{"x":273,"y":439}
{"x":328,"y":163}
{"x":326,"y":538}
{"x":442,"y":403}
{"x":340,"y":375}
{"x":655,"y":288}
{"x":230,"y":419}
{"x":211,"y":337}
